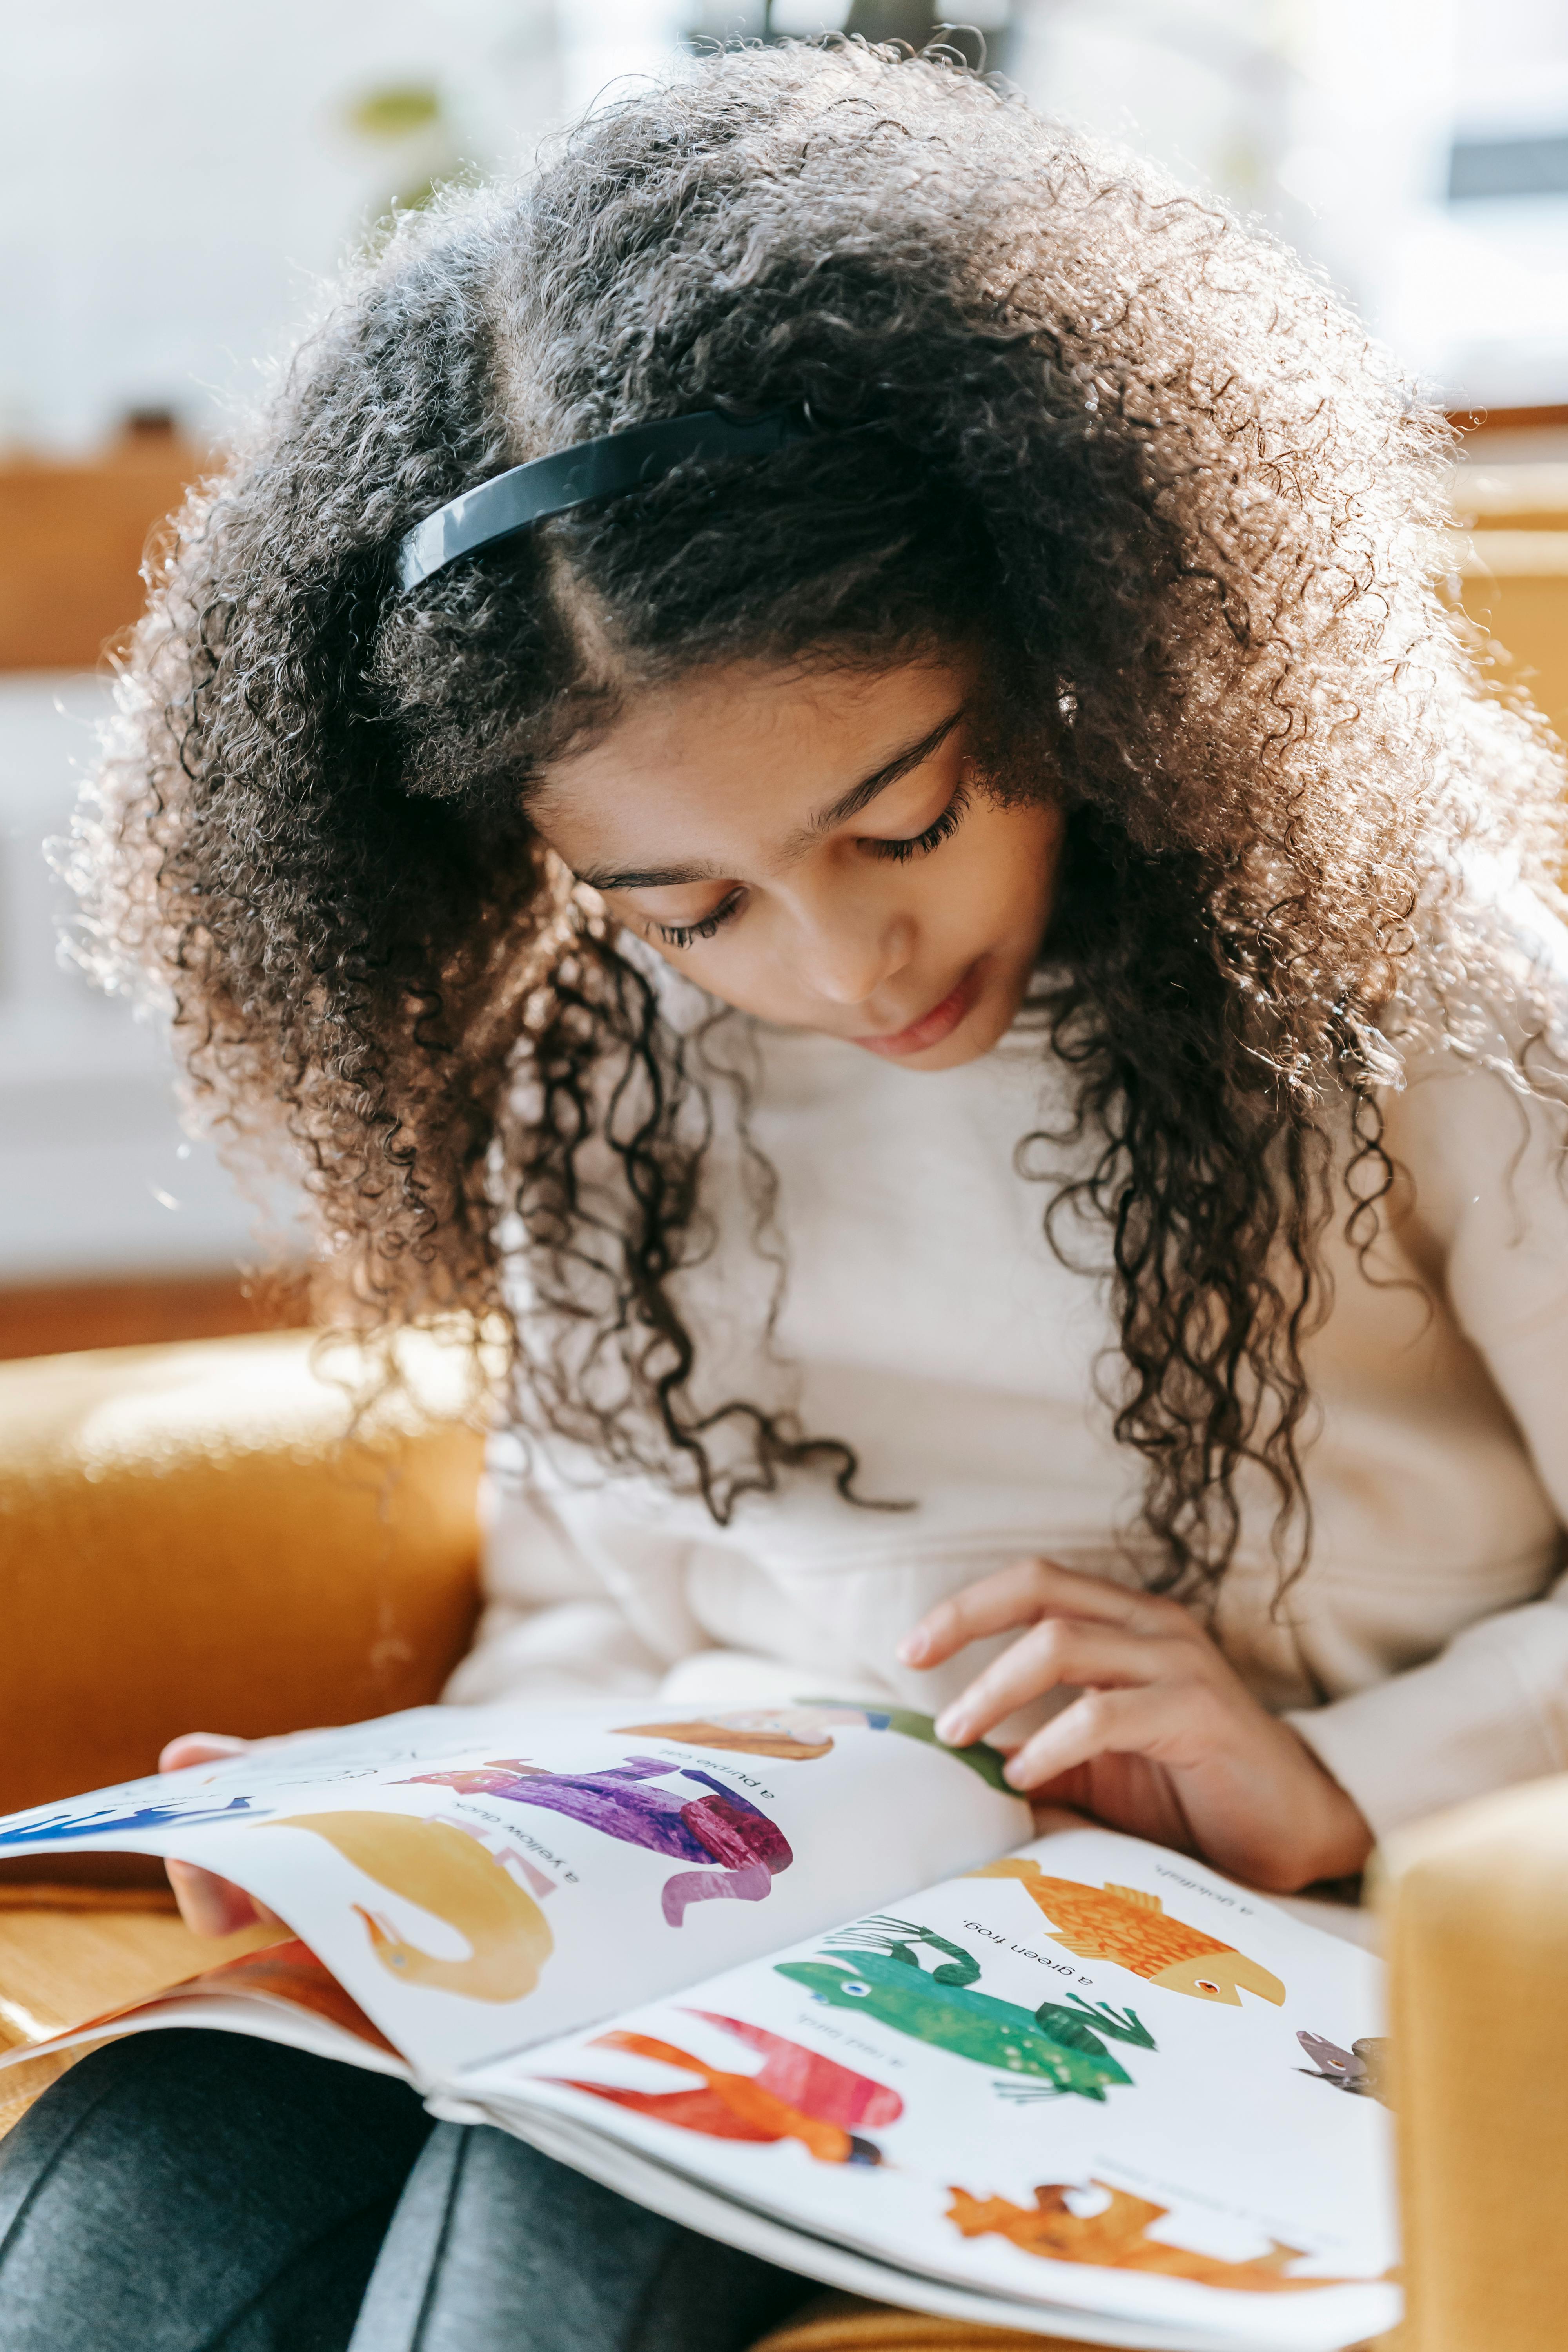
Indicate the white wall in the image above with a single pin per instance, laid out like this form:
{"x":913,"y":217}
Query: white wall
{"x":95,"y":1174}
{"x":1331,"y":121}
{"x":176,"y":177}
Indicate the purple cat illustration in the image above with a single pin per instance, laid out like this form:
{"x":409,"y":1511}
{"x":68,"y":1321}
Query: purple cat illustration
{"x":718,"y":1827}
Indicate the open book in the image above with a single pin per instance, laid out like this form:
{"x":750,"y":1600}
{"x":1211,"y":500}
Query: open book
{"x":803,"y":1979}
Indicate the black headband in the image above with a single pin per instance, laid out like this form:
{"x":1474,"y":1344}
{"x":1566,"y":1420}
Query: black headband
{"x":606,"y":468}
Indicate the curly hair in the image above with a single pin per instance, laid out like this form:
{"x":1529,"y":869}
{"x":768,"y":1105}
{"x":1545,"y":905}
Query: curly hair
{"x":1127,"y":448}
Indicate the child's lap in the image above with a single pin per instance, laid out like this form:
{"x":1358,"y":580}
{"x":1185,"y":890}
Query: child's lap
{"x":203,"y":2193}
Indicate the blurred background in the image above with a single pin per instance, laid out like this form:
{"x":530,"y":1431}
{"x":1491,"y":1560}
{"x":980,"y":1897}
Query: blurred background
{"x":175,"y":180}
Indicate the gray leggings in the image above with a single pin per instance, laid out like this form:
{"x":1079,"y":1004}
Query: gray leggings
{"x":203,"y":2192}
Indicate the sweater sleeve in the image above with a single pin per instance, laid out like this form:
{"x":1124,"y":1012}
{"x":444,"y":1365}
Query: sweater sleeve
{"x":1491,"y":1218}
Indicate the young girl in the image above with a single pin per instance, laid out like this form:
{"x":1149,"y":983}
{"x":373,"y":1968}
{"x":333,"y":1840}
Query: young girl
{"x":940,"y":929}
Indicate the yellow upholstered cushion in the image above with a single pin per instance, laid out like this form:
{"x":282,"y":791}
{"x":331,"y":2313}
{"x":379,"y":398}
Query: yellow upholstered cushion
{"x":1477,"y":1905}
{"x":189,"y":1544}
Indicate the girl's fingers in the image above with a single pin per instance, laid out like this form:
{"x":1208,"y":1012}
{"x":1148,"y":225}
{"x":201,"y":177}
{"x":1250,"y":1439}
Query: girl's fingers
{"x":210,"y":1906}
{"x":1020,"y":1595}
{"x":199,"y":1748}
{"x":1062,"y":1649}
{"x":1129,"y":1722}
{"x":217,"y":1747}
{"x":995,"y":1603}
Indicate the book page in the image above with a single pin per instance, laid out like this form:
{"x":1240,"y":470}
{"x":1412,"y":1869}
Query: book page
{"x":1090,"y":2075}
{"x":696,"y":2206}
{"x":280,"y":1993}
{"x":479,"y":1879}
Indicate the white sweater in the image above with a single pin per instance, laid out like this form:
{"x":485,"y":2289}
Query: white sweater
{"x":1423,"y":1652}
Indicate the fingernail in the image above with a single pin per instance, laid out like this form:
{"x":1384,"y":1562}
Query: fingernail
{"x":912,"y":1649}
{"x":952,"y":1728}
{"x":1015,"y":1776}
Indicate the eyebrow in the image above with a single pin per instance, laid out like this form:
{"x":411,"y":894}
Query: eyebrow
{"x":837,"y":812}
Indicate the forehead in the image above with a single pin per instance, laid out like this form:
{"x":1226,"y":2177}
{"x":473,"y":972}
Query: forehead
{"x":734,"y":754}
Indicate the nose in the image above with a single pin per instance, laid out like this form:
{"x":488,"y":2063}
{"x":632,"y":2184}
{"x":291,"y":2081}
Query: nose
{"x":848,"y":951}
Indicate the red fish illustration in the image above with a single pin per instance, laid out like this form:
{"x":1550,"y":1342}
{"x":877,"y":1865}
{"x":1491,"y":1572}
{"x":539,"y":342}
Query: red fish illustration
{"x":795,"y":2094}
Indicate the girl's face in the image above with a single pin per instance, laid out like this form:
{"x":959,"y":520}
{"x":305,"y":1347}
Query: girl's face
{"x":815,"y":848}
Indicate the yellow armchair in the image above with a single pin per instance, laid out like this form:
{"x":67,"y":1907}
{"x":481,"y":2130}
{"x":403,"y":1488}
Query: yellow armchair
{"x":190,"y":1540}
{"x":190,"y":1543}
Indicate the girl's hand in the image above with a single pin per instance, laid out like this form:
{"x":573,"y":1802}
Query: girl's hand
{"x":1163,"y":1738}
{"x":210,"y":1906}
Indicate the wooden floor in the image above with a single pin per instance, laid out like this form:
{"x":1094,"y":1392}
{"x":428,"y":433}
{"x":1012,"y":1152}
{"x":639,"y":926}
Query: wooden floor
{"x":53,"y":1319}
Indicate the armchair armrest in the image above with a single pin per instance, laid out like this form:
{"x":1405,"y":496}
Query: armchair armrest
{"x":191,"y":1542}
{"x":1476,"y":1908}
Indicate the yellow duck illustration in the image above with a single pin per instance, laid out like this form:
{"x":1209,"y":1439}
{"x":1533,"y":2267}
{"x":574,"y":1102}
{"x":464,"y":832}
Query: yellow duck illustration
{"x":1131,"y":1929}
{"x":454,"y":1877}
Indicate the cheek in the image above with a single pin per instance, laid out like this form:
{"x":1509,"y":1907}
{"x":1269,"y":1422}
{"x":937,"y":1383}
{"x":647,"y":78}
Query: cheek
{"x":1008,"y":878}
{"x":750,"y":966}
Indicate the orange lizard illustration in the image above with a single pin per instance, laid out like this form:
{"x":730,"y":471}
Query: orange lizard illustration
{"x":795,"y":2094}
{"x":1123,"y":1925}
{"x":1117,"y":2239}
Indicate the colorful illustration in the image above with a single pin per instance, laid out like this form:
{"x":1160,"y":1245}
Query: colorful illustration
{"x":989,"y":1762}
{"x":718,"y":1827}
{"x":1122,"y":1925}
{"x":785,"y":1735}
{"x":1058,"y":2045}
{"x":1363,"y":2069}
{"x":449,"y":1873}
{"x":107,"y":1818}
{"x":795,"y":2094}
{"x":800,"y":1733}
{"x":1117,"y":2239}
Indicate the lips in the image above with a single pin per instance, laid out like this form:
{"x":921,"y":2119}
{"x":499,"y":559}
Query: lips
{"x":932,"y":1028}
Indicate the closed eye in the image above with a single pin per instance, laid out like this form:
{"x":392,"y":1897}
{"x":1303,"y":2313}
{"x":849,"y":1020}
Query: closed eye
{"x":920,"y":845}
{"x":897,"y":852}
{"x":685,"y":935}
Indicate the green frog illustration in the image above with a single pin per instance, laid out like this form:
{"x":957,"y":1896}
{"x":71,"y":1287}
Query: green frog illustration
{"x":1052,"y":2050}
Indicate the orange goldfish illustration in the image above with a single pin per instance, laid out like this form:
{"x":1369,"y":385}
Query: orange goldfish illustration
{"x":797,"y":2094}
{"x":1131,"y":1929}
{"x":1117,"y":2239}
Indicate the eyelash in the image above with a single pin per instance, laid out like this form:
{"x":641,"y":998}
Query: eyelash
{"x":919,"y":844}
{"x":685,"y":935}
